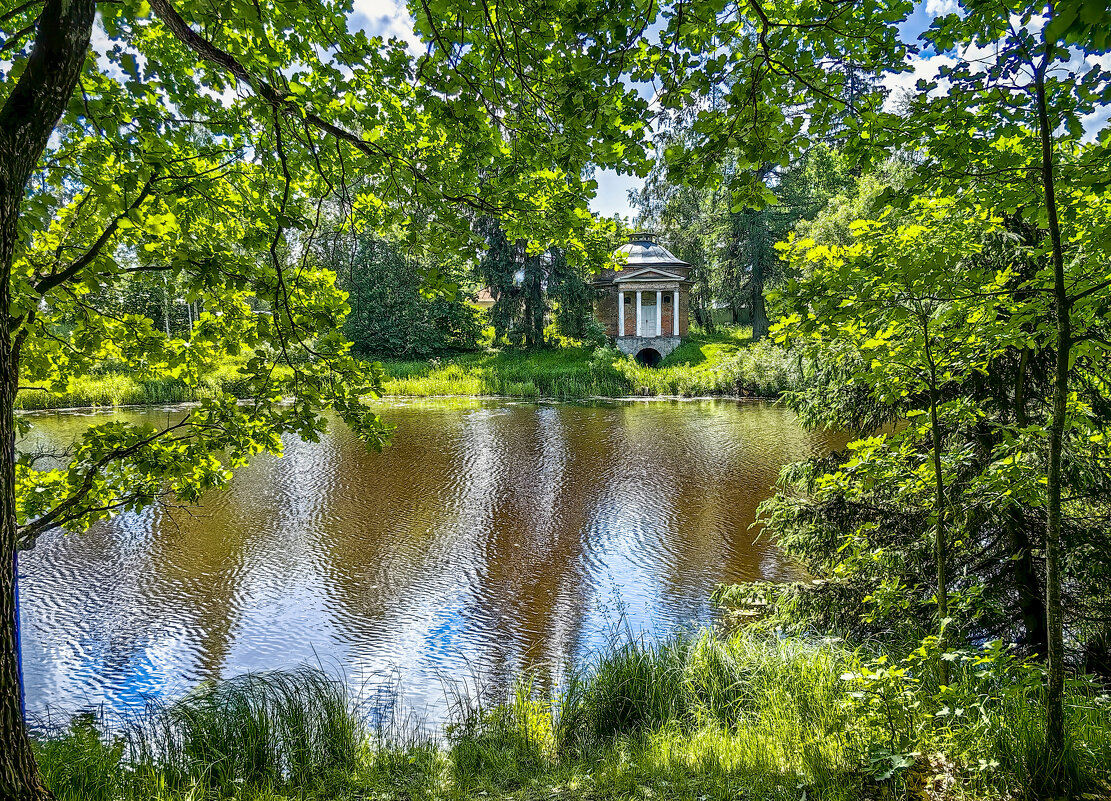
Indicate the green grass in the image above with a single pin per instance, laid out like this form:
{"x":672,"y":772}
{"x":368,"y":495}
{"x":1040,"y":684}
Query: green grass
{"x":726,"y":363}
{"x":255,"y":735}
{"x":699,"y":716}
{"x":112,"y":387}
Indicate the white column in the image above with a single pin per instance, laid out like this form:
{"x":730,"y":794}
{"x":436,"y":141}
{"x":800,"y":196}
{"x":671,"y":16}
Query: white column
{"x":638,"y":312}
{"x":621,"y":312}
{"x":659,"y":312}
{"x":675,"y":313}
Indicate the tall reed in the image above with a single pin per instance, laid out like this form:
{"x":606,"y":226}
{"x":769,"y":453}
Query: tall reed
{"x":701,"y":714}
{"x":294,"y":731}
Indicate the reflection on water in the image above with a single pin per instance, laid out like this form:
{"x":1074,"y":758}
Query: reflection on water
{"x":492,"y":537}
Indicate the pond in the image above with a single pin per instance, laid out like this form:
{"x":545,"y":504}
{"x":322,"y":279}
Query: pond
{"x":492,"y":538}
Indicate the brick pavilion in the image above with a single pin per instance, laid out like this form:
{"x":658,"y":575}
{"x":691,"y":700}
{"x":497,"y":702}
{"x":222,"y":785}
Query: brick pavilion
{"x":644,"y":305}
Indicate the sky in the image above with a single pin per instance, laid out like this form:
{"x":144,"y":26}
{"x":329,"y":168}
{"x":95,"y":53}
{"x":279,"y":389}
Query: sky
{"x":390,"y":18}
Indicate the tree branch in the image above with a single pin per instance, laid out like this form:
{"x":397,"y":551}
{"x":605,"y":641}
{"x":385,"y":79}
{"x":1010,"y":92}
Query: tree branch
{"x":31,"y":111}
{"x":69,"y":509}
{"x":55,"y":279}
{"x":283,"y":104}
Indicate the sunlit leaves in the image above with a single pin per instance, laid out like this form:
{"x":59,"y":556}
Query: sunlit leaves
{"x":767,"y":81}
{"x":902,"y":285}
{"x":205,"y":180}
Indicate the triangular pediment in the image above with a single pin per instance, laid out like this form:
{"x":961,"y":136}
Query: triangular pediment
{"x":646,"y":275}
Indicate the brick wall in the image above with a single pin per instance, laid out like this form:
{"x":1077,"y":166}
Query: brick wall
{"x":605,"y":311}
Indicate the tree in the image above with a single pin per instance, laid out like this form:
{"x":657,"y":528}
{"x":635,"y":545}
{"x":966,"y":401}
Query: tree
{"x":993,"y":417}
{"x":978,"y":397}
{"x":204,"y":145}
{"x":750,"y":263}
{"x":572,"y":296}
{"x":1013,"y":111}
{"x":1009,"y":85}
{"x":502,"y":269}
{"x":529,"y":284}
{"x":732,"y":250}
{"x":394,"y":310}
{"x":158,"y":296}
{"x":766,"y":82}
{"x":913,"y":307}
{"x":685,"y":218}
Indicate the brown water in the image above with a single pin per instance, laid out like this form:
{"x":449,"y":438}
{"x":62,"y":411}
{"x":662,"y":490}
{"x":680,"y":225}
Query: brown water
{"x":492,"y":537}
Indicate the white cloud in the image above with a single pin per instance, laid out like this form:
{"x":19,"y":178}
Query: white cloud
{"x":612,"y":196}
{"x":939,"y":8}
{"x":389,"y":19}
{"x":980,"y":59}
{"x":1095,"y":123}
{"x":922,"y":68}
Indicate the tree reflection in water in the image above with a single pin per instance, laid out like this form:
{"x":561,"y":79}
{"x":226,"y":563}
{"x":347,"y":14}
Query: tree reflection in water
{"x":492,"y":537}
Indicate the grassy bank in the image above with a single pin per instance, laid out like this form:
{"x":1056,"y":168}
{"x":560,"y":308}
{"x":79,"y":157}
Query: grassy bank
{"x":110,"y":387}
{"x":703,"y":716}
{"x":727,"y":363}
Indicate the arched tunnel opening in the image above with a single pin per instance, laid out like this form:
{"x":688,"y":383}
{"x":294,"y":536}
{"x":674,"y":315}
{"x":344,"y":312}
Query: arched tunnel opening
{"x":649,"y":357}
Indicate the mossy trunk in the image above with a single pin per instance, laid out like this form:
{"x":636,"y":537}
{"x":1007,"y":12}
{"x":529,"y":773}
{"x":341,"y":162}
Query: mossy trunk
{"x":19,"y":776}
{"x":27,"y":119}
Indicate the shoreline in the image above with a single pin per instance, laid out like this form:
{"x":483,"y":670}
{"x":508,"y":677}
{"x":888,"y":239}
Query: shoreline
{"x":706,"y":715}
{"x":727,"y":366}
{"x":102,"y":409}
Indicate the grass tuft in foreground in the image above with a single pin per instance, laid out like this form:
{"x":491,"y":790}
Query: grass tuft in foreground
{"x":287,"y":731}
{"x":700,"y":716}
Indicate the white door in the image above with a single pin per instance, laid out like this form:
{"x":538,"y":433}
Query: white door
{"x":648,"y":317}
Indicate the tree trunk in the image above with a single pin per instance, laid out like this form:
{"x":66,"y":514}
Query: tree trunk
{"x":19,"y":776}
{"x":762,"y":254}
{"x":27,"y":120}
{"x":534,"y":303}
{"x":166,"y":305}
{"x":1031,"y":599}
{"x":1055,"y":690}
{"x":700,"y":301}
{"x":759,"y":312}
{"x":941,"y":545}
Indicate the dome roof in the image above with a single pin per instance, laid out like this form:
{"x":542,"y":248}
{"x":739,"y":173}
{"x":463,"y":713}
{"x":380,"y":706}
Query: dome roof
{"x":642,"y":250}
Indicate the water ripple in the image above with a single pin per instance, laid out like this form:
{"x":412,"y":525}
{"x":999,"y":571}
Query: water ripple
{"x":491,"y":537}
